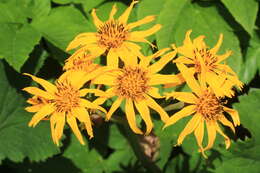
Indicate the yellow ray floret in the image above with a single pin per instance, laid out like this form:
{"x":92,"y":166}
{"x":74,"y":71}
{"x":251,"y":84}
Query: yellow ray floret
{"x":135,"y":84}
{"x":114,"y":36}
{"x":61,"y":103}
{"x":204,"y":108}
{"x":207,"y":64}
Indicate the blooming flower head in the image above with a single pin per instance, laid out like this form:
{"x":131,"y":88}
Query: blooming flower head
{"x":114,"y":37}
{"x":204,"y":107}
{"x":60,"y":103}
{"x":205,"y":63}
{"x":135,"y":84}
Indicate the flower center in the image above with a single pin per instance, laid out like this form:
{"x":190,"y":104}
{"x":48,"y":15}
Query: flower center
{"x":112,"y":34}
{"x":133,"y":83}
{"x":67,"y":97}
{"x":209,"y":106}
{"x":208,"y":59}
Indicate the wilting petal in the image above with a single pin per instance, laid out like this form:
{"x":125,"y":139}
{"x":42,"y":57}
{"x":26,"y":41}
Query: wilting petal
{"x":34,"y":108}
{"x":189,"y":128}
{"x":43,"y":112}
{"x":227,"y":140}
{"x":145,"y":114}
{"x":81,"y":40}
{"x":130,"y":115}
{"x":224,"y":56}
{"x":226,"y":122}
{"x":73,"y":125}
{"x":152,"y":104}
{"x":186,"y":111}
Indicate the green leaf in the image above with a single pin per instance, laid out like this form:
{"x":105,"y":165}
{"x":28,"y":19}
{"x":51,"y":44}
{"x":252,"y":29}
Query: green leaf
{"x":11,"y":13}
{"x":37,"y":9}
{"x":17,"y":139}
{"x":168,"y":18}
{"x":252,"y":62}
{"x":62,"y":1}
{"x":16,"y":42}
{"x":61,"y":26}
{"x":207,"y":21}
{"x":244,"y":12}
{"x":239,"y":165}
{"x":90,"y":4}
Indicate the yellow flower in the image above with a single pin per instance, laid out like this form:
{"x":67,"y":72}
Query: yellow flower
{"x":204,"y":106}
{"x":206,"y":64}
{"x":135,"y":84}
{"x":59,"y":103}
{"x":114,"y":36}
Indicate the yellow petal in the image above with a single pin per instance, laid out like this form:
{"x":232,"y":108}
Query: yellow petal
{"x":88,"y":104}
{"x":45,"y":84}
{"x":145,"y":61}
{"x":211,"y":129}
{"x":105,"y":79}
{"x":124,"y":17}
{"x":184,"y":97}
{"x":83,"y":116}
{"x":43,"y":112}
{"x":34,"y":108}
{"x":157,"y":79}
{"x":184,"y":60}
{"x":152,"y":104}
{"x":223,"y":57}
{"x":187,"y":48}
{"x":189,"y":128}
{"x":184,"y":112}
{"x":137,"y":35}
{"x":158,"y":66}
{"x":215,"y":49}
{"x":130,"y":115}
{"x":38,"y":92}
{"x":199,"y":42}
{"x":60,"y":122}
{"x":181,"y":80}
{"x":112,"y":58}
{"x":113,"y":12}
{"x":226,"y":122}
{"x":145,"y":114}
{"x":234,"y":115}
{"x":73,"y":125}
{"x":154,"y":92}
{"x":114,"y":107}
{"x":145,"y":20}
{"x":199,"y":134}
{"x":81,"y":40}
{"x":96,"y":20}
{"x":85,"y":91}
{"x":227,"y":140}
{"x":215,"y":83}
{"x":190,"y":80}
{"x":53,"y":124}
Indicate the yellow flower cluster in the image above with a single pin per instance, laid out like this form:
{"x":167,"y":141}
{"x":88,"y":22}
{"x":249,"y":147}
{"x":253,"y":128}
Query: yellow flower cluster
{"x":132,"y":79}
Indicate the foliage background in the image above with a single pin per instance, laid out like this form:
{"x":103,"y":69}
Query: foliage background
{"x":33,"y":38}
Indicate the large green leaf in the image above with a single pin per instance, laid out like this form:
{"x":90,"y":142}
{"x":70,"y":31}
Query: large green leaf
{"x":168,"y":18}
{"x":17,"y":139}
{"x":62,"y":25}
{"x":16,"y":43}
{"x":11,"y":13}
{"x":252,"y":61}
{"x":244,"y":12}
{"x":205,"y":20}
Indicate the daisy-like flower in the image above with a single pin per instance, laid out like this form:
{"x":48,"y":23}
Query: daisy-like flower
{"x":114,"y":37}
{"x":206,"y":63}
{"x":203,"y":107}
{"x":60,"y":103}
{"x":134,"y":84}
